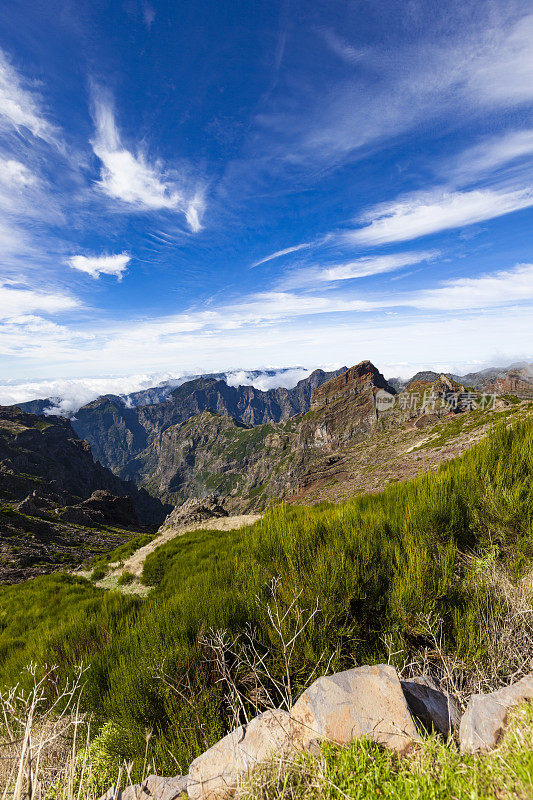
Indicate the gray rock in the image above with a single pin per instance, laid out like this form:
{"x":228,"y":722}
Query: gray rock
{"x":366,"y":701}
{"x":195,"y":510}
{"x":154,"y":787}
{"x":216,"y":773}
{"x":485,"y":718}
{"x":434,"y":708}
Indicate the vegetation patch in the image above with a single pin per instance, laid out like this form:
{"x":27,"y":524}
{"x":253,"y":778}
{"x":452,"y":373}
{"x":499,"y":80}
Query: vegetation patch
{"x":381,"y":567}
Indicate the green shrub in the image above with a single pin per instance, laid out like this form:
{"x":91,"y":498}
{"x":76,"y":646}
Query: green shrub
{"x":98,"y":573}
{"x":126,"y":578}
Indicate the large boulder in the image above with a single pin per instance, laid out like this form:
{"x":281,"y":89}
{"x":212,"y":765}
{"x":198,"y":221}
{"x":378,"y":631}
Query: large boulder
{"x":153,"y":787}
{"x":216,"y":773}
{"x":365,"y":701}
{"x":485,"y":718}
{"x":195,"y":510}
{"x":432,"y":707}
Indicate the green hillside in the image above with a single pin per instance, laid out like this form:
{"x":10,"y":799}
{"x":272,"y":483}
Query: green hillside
{"x":382,"y":568}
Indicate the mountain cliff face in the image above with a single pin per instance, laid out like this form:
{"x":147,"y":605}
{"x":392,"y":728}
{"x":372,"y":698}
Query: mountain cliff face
{"x":57,"y":505}
{"x":257,"y":464}
{"x":44,"y":454}
{"x":118,"y":434}
{"x":517,"y":382}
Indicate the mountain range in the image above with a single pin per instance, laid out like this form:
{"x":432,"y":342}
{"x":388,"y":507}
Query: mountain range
{"x":331,"y":436}
{"x":206,"y":434}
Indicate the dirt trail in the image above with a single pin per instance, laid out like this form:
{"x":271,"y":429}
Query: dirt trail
{"x":134,"y":563}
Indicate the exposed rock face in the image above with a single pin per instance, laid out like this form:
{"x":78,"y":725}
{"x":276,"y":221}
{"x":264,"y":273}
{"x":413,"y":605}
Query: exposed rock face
{"x":355,"y":381}
{"x":518,"y":382}
{"x":362,"y":702}
{"x":366,"y":701}
{"x":195,"y":510}
{"x":118,"y":433}
{"x":257,"y":465}
{"x":435,"y":709}
{"x":45,"y":452}
{"x":216,"y":773}
{"x":52,"y":492}
{"x":485,"y":718}
{"x":344,"y":408}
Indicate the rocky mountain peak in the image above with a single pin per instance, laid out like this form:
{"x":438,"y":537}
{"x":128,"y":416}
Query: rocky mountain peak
{"x":358,"y":379}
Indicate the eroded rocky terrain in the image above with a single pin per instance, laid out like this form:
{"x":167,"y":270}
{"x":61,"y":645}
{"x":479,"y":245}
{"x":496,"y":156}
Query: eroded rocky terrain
{"x":58,"y":507}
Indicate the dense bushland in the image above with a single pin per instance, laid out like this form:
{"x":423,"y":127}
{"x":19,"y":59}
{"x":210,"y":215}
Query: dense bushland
{"x":388,"y":571}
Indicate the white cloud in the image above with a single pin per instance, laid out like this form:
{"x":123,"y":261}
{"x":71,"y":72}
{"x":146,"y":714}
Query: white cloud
{"x":491,"y":155}
{"x":494,"y":289}
{"x":74,"y":393}
{"x":280,"y":253}
{"x":501,"y":71}
{"x":20,"y":107}
{"x":413,"y":341}
{"x":15,"y":174}
{"x":286,"y":378}
{"x":431,"y":212}
{"x":101,"y":265}
{"x":69,"y":395}
{"x":27,"y":205}
{"x":15,"y":301}
{"x":132,"y":179}
{"x":438,"y":72}
{"x":360,"y":268}
{"x":194,"y":211}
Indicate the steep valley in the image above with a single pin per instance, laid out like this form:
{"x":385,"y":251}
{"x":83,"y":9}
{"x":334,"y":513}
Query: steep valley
{"x":58,"y":507}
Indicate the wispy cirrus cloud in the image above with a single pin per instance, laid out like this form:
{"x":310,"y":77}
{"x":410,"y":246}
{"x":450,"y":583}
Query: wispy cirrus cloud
{"x":358,"y":268}
{"x":343,"y":49}
{"x":499,"y":70}
{"x":280,"y":253}
{"x":475,"y":64}
{"x":16,"y":301}
{"x":490,"y":155}
{"x":425,"y":213}
{"x":101,"y":265}
{"x":132,"y":179}
{"x":485,"y":291}
{"x":20,"y":105}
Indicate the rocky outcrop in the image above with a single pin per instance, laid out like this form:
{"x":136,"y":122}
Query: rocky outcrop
{"x":102,"y":508}
{"x":57,"y":502}
{"x":485,"y":718}
{"x":195,"y":510}
{"x":365,"y":701}
{"x":216,"y":773}
{"x":517,"y":382}
{"x":362,"y":702}
{"x":46,"y":453}
{"x":431,"y":706}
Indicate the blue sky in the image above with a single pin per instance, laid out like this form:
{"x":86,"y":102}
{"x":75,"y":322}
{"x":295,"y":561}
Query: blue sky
{"x":214,"y":185}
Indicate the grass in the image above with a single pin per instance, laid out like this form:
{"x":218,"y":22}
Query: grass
{"x":122,"y":552}
{"x":434,"y":771}
{"x":380,"y":566}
